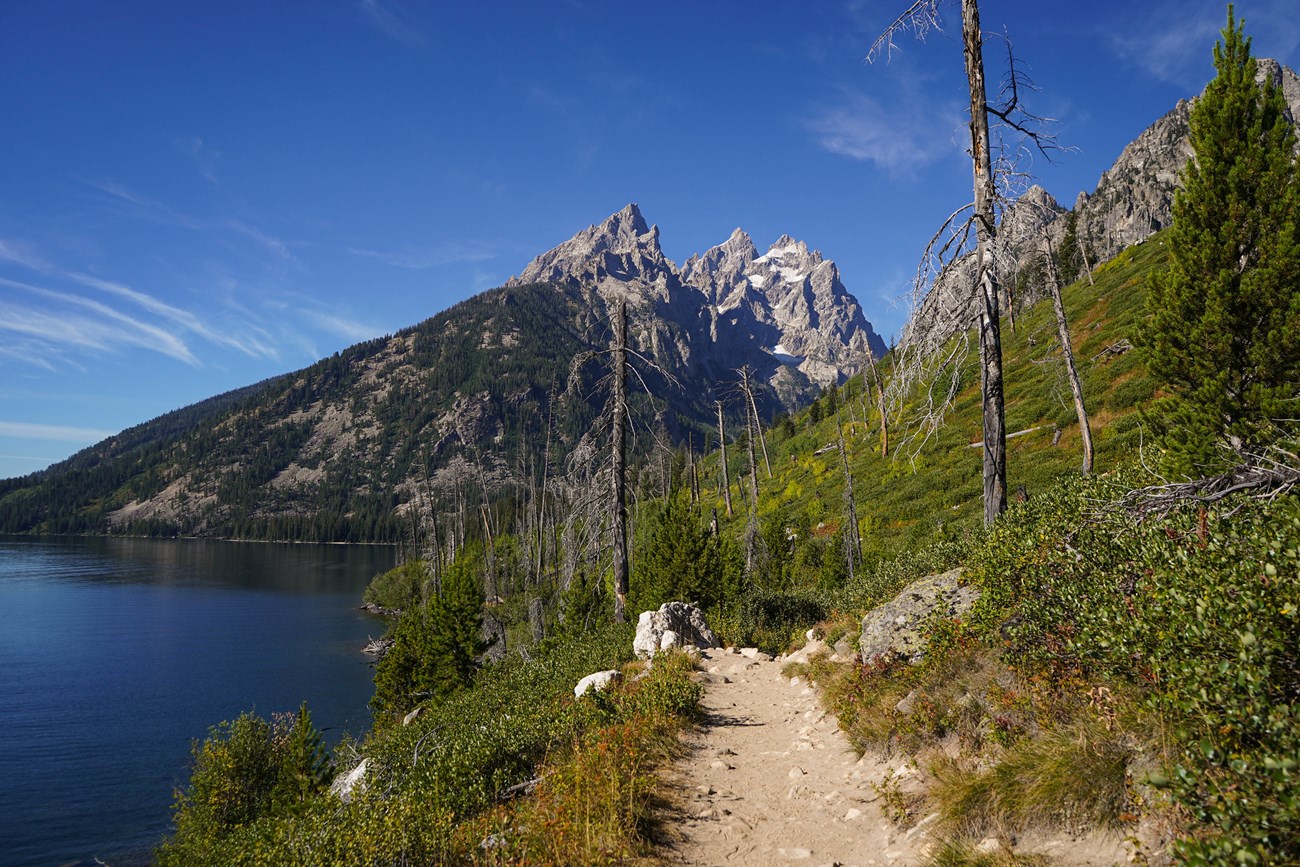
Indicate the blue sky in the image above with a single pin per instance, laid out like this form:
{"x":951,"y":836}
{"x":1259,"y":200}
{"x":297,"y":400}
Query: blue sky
{"x":195,"y":196}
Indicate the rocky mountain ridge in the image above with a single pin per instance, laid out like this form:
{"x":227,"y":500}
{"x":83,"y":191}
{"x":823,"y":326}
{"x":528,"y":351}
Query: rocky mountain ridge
{"x":479,"y":403}
{"x":1133,"y":200}
{"x":785,"y":313}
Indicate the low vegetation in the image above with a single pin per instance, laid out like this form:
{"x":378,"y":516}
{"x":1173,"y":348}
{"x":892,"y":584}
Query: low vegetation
{"x":1132,"y":662}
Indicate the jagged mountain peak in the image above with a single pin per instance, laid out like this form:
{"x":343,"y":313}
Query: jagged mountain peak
{"x":623,"y":244}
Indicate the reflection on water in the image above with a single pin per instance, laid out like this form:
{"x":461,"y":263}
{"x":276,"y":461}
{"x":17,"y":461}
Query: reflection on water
{"x":117,"y":653}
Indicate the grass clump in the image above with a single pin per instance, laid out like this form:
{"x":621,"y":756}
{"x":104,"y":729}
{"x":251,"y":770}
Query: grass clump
{"x":960,"y":853}
{"x":1074,"y":776}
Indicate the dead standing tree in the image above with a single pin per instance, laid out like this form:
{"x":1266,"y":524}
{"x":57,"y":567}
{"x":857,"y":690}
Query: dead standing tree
{"x":618,"y":355}
{"x":919,"y":18}
{"x":1067,"y":351}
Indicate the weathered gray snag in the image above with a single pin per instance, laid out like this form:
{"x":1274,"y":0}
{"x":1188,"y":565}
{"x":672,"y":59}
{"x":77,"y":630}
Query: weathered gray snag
{"x":995,"y":440}
{"x":752,"y":409}
{"x":1072,"y":370}
{"x":722,"y":445}
{"x":920,"y":17}
{"x":880,"y":402}
{"x":852,"y":539}
{"x":619,"y":452}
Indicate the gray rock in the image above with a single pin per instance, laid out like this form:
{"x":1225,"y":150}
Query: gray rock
{"x":895,"y":627}
{"x":597,"y":682}
{"x":354,"y":780}
{"x":682,"y":620}
{"x":1133,"y":200}
{"x":785,"y":313}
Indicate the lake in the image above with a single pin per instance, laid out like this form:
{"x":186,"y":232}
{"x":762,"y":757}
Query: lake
{"x":116,"y":653}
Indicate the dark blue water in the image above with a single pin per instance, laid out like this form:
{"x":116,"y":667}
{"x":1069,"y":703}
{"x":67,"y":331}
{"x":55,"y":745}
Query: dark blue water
{"x":116,"y":653}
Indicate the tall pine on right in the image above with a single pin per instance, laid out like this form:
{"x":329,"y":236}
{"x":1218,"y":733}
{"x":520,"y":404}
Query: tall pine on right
{"x":1223,"y":334}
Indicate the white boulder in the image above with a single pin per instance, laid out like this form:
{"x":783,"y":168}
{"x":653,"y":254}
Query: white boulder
{"x":675,"y":624}
{"x":596,"y":682}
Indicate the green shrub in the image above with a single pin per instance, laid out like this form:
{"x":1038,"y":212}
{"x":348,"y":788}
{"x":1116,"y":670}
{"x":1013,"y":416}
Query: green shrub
{"x":245,"y":770}
{"x":402,"y":587}
{"x":1199,"y":613}
{"x":436,"y":644}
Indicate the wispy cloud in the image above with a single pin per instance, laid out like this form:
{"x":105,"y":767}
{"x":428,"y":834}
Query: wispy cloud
{"x":343,"y":326}
{"x":205,"y":158}
{"x":115,"y":328}
{"x":1171,"y":40}
{"x":450,"y":253}
{"x":77,"y":321}
{"x":392,"y":21}
{"x":60,"y":433}
{"x":150,"y":209}
{"x":898,"y":138}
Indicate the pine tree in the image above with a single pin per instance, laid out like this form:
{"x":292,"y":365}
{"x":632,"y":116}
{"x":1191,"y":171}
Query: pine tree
{"x":685,"y":561}
{"x":1224,"y":327}
{"x":436,"y":646}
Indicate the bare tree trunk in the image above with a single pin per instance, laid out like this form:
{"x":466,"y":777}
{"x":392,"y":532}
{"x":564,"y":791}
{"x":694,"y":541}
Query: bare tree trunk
{"x":619,"y":450}
{"x":1063,"y":332}
{"x":1083,"y":255}
{"x":753,"y":410}
{"x":722,"y":445}
{"x":852,"y":540}
{"x":751,"y":526}
{"x":880,"y":403}
{"x":995,"y":442}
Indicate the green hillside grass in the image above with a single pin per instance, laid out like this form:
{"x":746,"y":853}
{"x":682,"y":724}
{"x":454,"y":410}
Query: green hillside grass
{"x":903,"y":500}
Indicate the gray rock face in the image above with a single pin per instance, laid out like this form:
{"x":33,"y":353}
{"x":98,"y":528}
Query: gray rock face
{"x":681,"y":623}
{"x":895,"y":627}
{"x":1133,"y":200}
{"x":785,"y":313}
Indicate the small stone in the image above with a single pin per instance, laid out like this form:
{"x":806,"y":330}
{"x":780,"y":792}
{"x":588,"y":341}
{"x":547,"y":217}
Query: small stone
{"x":706,"y":790}
{"x":989,"y":846}
{"x":795,"y":681}
{"x":853,"y":813}
{"x":797,"y":772}
{"x":794,"y":853}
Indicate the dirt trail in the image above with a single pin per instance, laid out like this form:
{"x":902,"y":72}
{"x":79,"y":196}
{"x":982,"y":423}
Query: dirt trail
{"x":771,"y":780}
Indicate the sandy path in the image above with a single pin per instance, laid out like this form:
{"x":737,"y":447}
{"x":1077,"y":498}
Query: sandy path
{"x":770,"y":779}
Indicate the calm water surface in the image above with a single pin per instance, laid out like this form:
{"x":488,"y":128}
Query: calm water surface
{"x":115,"y":653}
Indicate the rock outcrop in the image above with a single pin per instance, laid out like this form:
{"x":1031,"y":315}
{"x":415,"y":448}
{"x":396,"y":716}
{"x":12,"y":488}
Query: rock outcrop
{"x":1133,"y":200}
{"x":785,"y":313}
{"x":675,"y":624}
{"x":895,"y":628}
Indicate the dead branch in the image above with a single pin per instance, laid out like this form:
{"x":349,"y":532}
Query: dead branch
{"x":919,"y":19}
{"x":1261,"y":477}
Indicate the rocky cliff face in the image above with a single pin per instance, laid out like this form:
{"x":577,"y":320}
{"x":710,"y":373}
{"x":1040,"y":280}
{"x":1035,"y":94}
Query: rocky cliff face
{"x":785,"y":313}
{"x":1133,"y":199}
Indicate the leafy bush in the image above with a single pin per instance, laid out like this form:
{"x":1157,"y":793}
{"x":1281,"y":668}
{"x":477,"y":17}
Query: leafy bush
{"x":401,"y":587}
{"x":243,"y":771}
{"x":1200,"y":613}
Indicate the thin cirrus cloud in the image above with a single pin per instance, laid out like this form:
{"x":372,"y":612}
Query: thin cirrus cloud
{"x":433,"y":257}
{"x":897,"y":140}
{"x":389,"y":19}
{"x":67,"y":321}
{"x":1172,"y":42}
{"x":59,"y":433}
{"x":99,"y":326}
{"x":144,"y":207}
